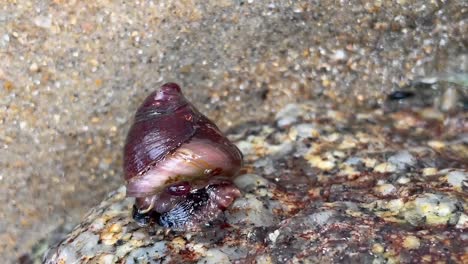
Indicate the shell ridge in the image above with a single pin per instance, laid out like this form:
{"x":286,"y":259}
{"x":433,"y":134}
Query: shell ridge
{"x":151,"y":113}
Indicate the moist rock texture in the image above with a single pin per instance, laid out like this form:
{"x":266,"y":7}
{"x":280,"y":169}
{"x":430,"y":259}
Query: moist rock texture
{"x":327,"y":186}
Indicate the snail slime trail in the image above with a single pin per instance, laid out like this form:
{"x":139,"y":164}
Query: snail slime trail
{"x":177,"y":163}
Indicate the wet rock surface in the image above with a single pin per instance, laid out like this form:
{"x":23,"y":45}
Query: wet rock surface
{"x":331,"y":186}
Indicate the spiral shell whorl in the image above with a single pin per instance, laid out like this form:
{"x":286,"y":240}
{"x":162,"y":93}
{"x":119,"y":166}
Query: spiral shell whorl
{"x":171,"y":141}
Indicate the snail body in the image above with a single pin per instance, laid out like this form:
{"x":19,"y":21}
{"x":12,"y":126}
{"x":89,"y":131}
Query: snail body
{"x":201,"y":205}
{"x":177,"y":163}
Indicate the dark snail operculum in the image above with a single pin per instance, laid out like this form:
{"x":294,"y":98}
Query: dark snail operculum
{"x":200,"y":206}
{"x":177,"y":163}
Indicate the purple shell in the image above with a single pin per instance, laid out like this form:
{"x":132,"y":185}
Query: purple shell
{"x":164,"y":122}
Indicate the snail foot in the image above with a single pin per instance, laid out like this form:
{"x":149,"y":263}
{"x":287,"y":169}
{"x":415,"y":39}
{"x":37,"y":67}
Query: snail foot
{"x":185,"y":212}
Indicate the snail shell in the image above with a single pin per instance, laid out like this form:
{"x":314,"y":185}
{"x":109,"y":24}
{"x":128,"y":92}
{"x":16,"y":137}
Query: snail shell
{"x":173,"y":152}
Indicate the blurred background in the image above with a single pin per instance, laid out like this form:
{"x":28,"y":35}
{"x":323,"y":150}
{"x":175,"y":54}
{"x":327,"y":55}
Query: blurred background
{"x":73,"y":72}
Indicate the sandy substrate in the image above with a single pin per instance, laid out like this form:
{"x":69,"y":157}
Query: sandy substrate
{"x":73,"y":72}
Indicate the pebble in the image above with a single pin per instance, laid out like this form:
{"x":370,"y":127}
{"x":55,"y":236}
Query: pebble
{"x":215,"y":256}
{"x":178,"y":243}
{"x":156,"y":251}
{"x":306,"y":130}
{"x":385,"y":167}
{"x":33,"y":67}
{"x":395,"y":205}
{"x":266,"y":164}
{"x":339,"y":55}
{"x":456,"y":178}
{"x":320,"y":218}
{"x":385,"y":189}
{"x":288,"y":115}
{"x":250,"y":181}
{"x":370,"y":162}
{"x":348,"y":143}
{"x":431,"y":209}
{"x":436,"y":144}
{"x":449,"y":100}
{"x":353,"y":161}
{"x":402,"y":160}
{"x":377,"y":248}
{"x":43,"y":21}
{"x":273,"y":236}
{"x":403,"y":180}
{"x":462,"y":222}
{"x":107,"y":259}
{"x":319,"y":162}
{"x":264,"y":259}
{"x":348,"y":171}
{"x":411,"y":242}
{"x":429,"y":171}
{"x":251,"y":211}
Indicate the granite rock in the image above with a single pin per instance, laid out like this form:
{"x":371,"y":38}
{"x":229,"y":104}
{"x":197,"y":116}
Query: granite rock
{"x":312,"y":206}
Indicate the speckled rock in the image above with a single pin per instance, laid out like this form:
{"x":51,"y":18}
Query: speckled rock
{"x":329,"y":198}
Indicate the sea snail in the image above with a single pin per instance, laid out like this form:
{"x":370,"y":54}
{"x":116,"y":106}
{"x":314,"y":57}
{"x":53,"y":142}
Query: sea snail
{"x":177,"y":163}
